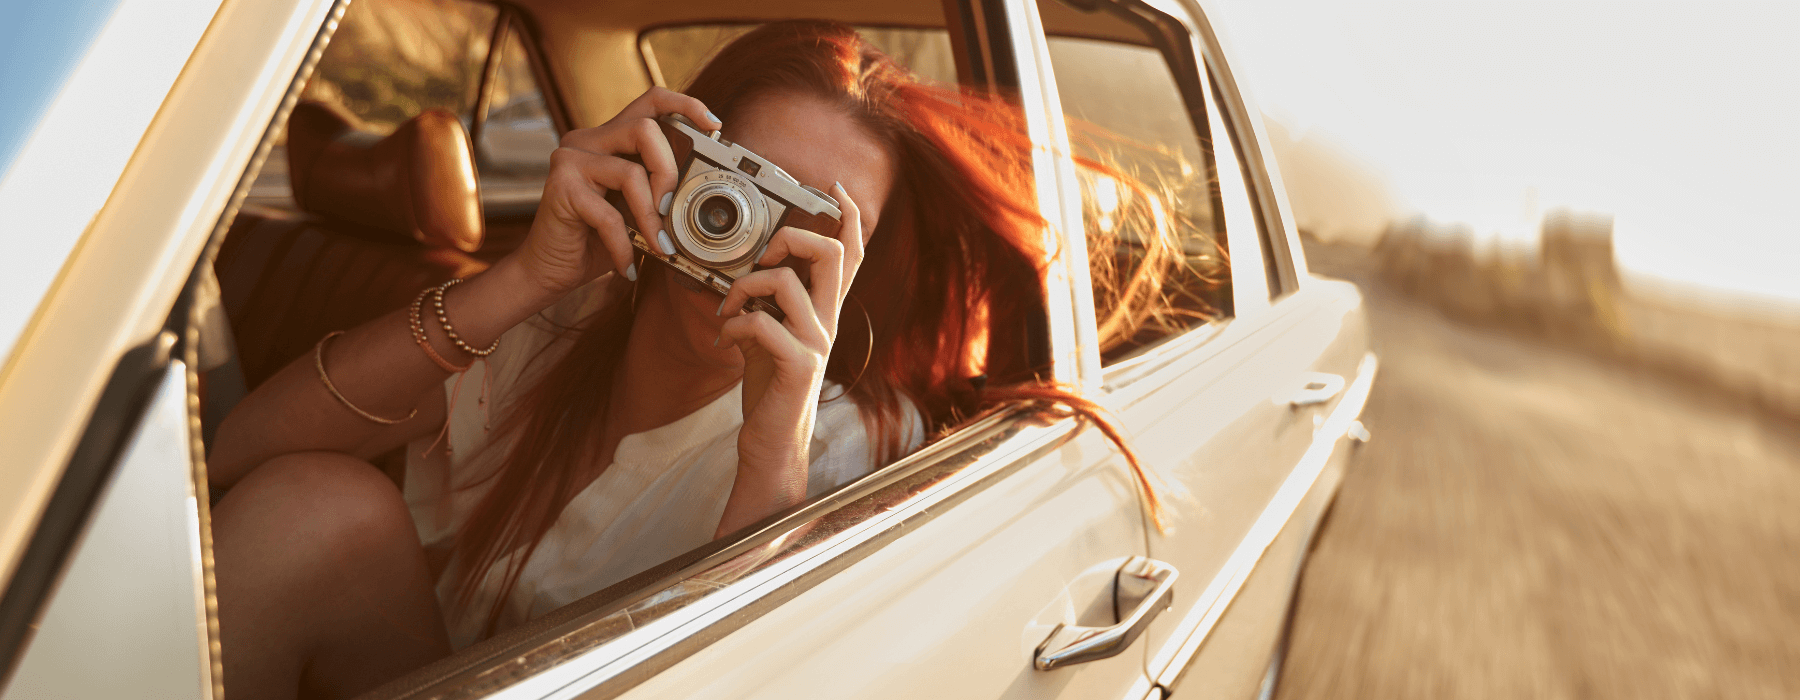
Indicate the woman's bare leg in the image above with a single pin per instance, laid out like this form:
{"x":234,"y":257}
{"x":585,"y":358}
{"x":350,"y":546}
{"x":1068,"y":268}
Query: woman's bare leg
{"x":324,"y":589}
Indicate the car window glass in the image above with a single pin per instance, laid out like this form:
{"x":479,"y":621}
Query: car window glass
{"x":514,"y":141}
{"x":403,"y":57}
{"x":389,"y":61}
{"x":1157,"y":251}
{"x":674,"y":54}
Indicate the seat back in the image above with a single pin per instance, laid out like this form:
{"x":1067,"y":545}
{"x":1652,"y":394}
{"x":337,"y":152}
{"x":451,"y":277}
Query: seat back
{"x":382,"y":218}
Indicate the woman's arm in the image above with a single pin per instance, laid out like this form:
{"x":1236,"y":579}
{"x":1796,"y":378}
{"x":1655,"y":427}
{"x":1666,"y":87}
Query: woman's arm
{"x":378,"y":368}
{"x":784,"y":361}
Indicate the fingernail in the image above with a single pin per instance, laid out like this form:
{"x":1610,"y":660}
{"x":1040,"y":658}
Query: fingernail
{"x":715,"y":118}
{"x":631,"y":272}
{"x":721,"y":311}
{"x":662,"y":239}
{"x":663,"y":208}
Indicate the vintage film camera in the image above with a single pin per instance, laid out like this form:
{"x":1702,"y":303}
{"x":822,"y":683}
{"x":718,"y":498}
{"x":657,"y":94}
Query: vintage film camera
{"x":730,"y":201}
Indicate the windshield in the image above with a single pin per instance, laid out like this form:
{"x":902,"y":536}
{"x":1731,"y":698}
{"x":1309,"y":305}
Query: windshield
{"x":40,"y":45}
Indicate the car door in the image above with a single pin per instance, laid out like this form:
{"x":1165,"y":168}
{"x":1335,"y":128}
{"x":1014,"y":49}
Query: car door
{"x":1230,"y":408}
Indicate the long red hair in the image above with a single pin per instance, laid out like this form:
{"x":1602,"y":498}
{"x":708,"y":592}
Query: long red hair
{"x":957,"y":259}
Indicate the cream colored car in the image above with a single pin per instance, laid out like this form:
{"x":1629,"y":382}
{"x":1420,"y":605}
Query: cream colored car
{"x":170,"y":243}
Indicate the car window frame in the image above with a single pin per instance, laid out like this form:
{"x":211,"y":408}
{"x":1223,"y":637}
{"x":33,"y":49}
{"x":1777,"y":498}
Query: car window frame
{"x":1188,"y":68}
{"x":1280,"y":244}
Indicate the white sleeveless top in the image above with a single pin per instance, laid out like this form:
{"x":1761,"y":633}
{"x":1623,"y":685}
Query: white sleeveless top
{"x":663,"y":494}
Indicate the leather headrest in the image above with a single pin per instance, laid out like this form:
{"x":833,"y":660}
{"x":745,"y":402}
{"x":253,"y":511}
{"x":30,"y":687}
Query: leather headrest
{"x":418,"y":182}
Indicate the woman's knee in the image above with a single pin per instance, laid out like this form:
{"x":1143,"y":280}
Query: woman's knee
{"x":322,"y":499}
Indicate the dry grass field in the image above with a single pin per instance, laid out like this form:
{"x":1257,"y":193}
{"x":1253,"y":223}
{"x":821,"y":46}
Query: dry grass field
{"x":1531,"y":521}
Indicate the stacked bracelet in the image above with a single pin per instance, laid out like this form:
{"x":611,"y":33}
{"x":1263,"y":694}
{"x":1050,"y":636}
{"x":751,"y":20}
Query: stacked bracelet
{"x":415,"y":318}
{"x":437,"y":304}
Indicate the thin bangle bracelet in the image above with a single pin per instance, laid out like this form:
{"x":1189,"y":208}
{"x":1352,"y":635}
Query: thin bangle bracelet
{"x":319,"y":362}
{"x":415,"y":317}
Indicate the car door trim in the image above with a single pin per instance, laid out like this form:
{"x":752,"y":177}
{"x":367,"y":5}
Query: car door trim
{"x":611,"y":641}
{"x":1193,"y":630}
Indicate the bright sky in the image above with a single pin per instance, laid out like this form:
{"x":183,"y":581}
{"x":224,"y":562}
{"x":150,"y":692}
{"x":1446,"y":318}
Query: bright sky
{"x":1682,"y":119}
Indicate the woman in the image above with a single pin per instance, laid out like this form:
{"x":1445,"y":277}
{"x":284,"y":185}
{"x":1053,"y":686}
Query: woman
{"x":625,"y":417}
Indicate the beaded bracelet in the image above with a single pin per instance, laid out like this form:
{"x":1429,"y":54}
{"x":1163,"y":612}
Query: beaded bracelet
{"x":414,"y":317}
{"x":437,"y":303}
{"x":319,"y":362}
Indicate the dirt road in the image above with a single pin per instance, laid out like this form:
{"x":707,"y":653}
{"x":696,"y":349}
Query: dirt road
{"x":1530,"y":522}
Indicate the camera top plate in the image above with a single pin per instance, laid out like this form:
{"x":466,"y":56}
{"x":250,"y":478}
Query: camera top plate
{"x":766,"y":175}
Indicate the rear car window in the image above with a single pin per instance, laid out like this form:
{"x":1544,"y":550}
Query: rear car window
{"x":1149,"y":192}
{"x":392,"y":60}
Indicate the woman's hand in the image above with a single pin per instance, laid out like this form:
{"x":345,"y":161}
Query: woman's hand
{"x":784,"y":361}
{"x":577,"y":236}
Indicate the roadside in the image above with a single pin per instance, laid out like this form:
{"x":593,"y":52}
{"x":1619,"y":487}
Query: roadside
{"x":1537,"y":517}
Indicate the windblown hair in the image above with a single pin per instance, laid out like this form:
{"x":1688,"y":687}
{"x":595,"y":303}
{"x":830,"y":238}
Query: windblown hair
{"x":958,"y":259}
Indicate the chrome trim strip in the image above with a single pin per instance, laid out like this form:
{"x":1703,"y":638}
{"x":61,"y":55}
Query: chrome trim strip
{"x":632,"y":634}
{"x":1219,"y":594}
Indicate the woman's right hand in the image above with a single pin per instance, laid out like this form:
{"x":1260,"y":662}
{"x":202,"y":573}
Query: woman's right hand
{"x":577,"y":235}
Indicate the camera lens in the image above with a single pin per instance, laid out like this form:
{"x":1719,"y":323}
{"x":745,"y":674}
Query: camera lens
{"x":717,"y":216}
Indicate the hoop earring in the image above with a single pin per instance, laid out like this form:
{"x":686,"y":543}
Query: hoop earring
{"x":868,"y":352}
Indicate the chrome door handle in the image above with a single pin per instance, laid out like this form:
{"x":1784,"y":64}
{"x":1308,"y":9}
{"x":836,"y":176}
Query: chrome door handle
{"x":1145,"y":587}
{"x":1317,"y":388}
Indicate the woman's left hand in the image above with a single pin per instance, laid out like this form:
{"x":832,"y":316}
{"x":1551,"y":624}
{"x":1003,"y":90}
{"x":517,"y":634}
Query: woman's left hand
{"x":784,"y":361}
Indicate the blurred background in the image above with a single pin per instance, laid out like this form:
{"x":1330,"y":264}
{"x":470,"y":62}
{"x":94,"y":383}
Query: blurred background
{"x":1575,"y":224}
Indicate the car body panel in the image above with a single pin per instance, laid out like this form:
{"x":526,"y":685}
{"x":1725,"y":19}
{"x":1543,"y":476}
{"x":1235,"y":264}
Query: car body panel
{"x":1251,"y":463}
{"x":133,"y":592}
{"x":955,"y":609}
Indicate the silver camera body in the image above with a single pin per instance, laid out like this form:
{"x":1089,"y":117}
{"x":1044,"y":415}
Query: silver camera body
{"x":728,"y":204}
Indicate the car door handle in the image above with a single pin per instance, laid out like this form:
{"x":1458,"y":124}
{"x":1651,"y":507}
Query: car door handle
{"x":1145,"y":587}
{"x":1316,"y":388}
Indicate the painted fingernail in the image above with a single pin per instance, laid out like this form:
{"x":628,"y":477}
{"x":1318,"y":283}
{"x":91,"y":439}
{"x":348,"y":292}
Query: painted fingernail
{"x":662,"y":239}
{"x":663,"y":208}
{"x":631,"y":272}
{"x":715,"y":118}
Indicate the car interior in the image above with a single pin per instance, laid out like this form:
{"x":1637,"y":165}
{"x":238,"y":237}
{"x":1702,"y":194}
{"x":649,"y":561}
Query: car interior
{"x":418,"y":148}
